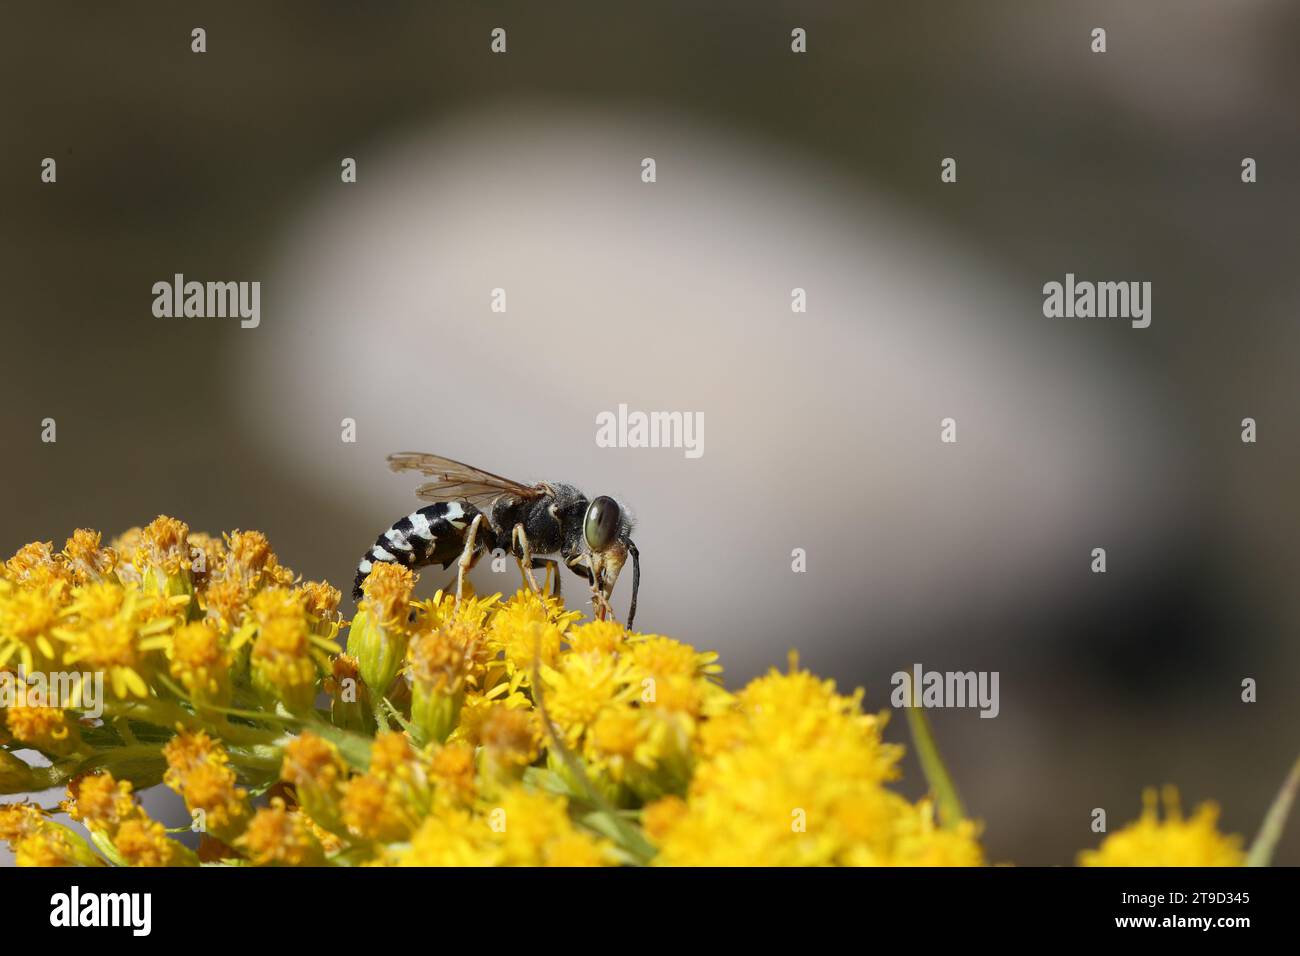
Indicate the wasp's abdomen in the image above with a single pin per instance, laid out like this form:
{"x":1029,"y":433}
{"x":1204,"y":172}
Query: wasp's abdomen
{"x":432,"y":535}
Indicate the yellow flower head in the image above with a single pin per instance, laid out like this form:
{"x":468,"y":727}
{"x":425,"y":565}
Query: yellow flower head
{"x":144,"y":842}
{"x":793,"y":775}
{"x":36,"y":840}
{"x":287,"y":657}
{"x":278,"y":836}
{"x":601,"y":638}
{"x":199,"y":770}
{"x":86,"y":559}
{"x":100,"y":802}
{"x":534,"y":829}
{"x":448,"y":839}
{"x":29,"y":615}
{"x":1174,"y":841}
{"x":111,"y":629}
{"x":511,"y":736}
{"x":164,"y":547}
{"x":529,"y":629}
{"x":386,"y":803}
{"x":107,"y":807}
{"x":387,"y":592}
{"x":240,"y":569}
{"x":250,"y":559}
{"x":321,"y":601}
{"x":201,"y":660}
{"x":452,"y":770}
{"x":444,"y":659}
{"x":581,"y":687}
{"x":313,"y":766}
{"x":47,"y":729}
{"x":36,"y":565}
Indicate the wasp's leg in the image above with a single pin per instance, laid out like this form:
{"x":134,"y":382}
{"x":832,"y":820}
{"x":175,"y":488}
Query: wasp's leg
{"x":525,"y":557}
{"x":467,"y":555}
{"x":579,"y":565}
{"x":552,"y":567}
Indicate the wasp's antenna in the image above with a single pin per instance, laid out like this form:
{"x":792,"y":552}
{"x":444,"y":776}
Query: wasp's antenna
{"x":636,"y":581}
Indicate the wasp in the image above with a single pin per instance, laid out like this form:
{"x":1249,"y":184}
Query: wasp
{"x":472,"y":511}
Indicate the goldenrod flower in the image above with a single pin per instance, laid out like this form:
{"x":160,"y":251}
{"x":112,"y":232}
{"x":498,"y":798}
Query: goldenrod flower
{"x":36,"y":565}
{"x":278,"y":836}
{"x":387,"y":803}
{"x":317,"y":772}
{"x":378,"y":635}
{"x":100,"y":802}
{"x":200,"y":658}
{"x":1174,"y":841}
{"x":453,"y":773}
{"x":454,"y":728}
{"x":448,"y":839}
{"x":162,"y":558}
{"x":110,"y":629}
{"x":794,"y":776}
{"x":350,"y":704}
{"x":86,"y":559}
{"x":442,"y":662}
{"x":528,"y":630}
{"x":534,"y":829}
{"x":198,"y":768}
{"x":144,"y":842}
{"x":47,"y":729}
{"x":511,"y":739}
{"x":29,"y":616}
{"x":36,"y":840}
{"x":601,"y":638}
{"x":241,"y":568}
{"x":287,"y":657}
{"x":120,"y":825}
{"x":321,"y":602}
{"x":581,"y":687}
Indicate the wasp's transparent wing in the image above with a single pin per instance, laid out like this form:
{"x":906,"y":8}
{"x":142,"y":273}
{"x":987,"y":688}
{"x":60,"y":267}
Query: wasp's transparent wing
{"x":457,"y":481}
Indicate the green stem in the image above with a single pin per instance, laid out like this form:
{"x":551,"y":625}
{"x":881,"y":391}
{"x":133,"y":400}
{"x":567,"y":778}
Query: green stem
{"x":951,"y":812}
{"x":631,"y":838}
{"x":1270,"y":831}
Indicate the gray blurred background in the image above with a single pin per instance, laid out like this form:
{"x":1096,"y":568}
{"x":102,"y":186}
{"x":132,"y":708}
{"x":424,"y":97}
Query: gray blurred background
{"x":820,"y":171}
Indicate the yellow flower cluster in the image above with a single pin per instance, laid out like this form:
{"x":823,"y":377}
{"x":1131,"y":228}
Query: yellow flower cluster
{"x":481,"y":732}
{"x":1174,"y":841}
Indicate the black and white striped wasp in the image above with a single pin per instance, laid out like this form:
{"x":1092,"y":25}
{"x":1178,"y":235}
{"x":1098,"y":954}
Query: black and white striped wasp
{"x":474,"y":511}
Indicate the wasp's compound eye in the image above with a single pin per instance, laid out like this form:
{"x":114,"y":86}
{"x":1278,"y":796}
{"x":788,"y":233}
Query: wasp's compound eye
{"x":601,"y":523}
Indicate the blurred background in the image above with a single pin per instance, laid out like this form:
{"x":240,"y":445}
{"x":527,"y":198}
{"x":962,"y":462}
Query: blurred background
{"x":820,"y":171}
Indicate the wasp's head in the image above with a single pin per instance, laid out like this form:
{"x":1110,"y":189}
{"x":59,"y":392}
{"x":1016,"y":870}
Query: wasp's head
{"x":607,"y":531}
